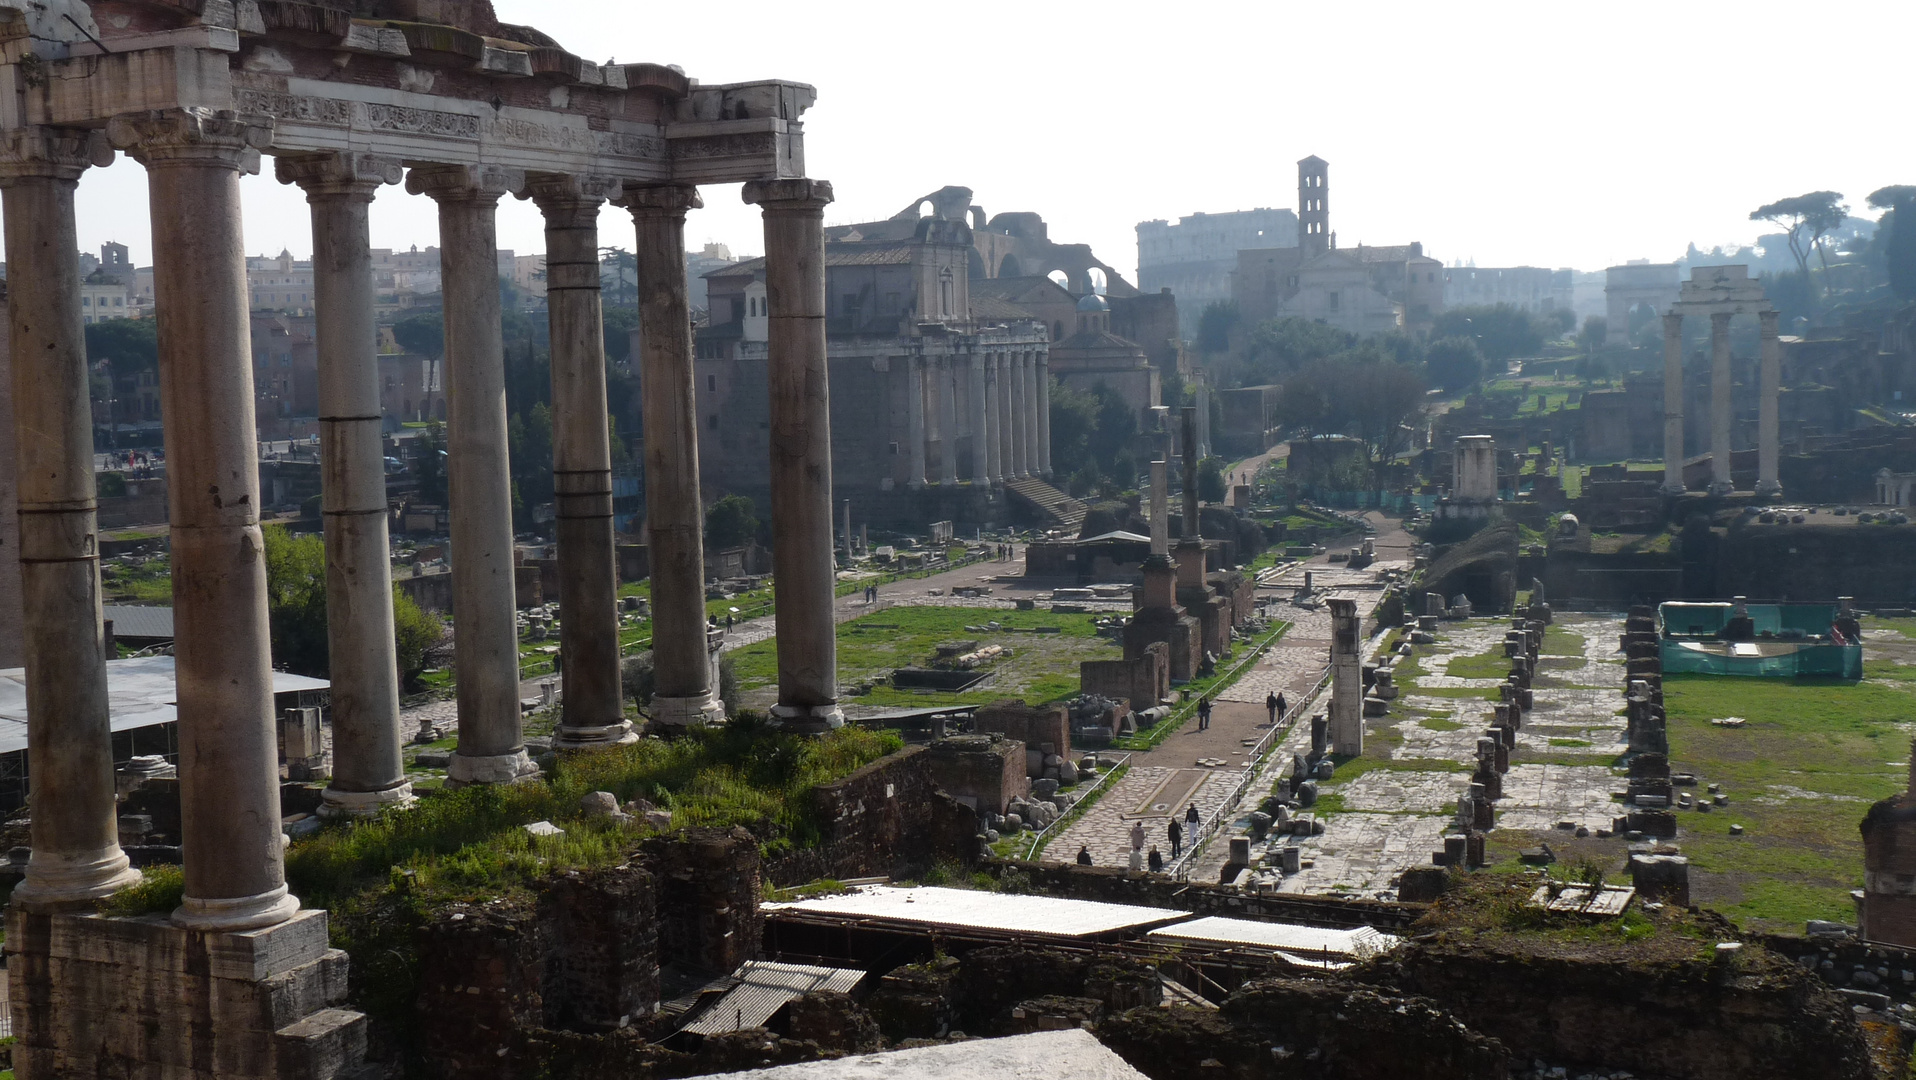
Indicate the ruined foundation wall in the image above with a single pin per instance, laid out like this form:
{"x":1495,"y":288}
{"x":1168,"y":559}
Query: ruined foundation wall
{"x":889,"y":818}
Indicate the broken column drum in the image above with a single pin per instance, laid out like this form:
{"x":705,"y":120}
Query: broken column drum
{"x":491,"y":741}
{"x":674,"y":517}
{"x":76,"y":850}
{"x":801,"y":472}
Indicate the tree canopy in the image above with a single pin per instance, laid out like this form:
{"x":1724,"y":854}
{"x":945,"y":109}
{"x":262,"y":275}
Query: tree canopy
{"x":1501,"y":331}
{"x":731,"y":522}
{"x":421,"y":335}
{"x":1899,"y":245}
{"x":128,"y":344}
{"x":1372,"y":401}
{"x":1805,"y":220}
{"x":1454,"y":363}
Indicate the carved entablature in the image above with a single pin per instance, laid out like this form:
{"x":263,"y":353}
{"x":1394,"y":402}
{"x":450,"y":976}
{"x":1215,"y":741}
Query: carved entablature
{"x":429,"y":82}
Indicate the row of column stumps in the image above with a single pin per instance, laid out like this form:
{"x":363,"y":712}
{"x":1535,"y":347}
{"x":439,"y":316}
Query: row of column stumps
{"x":1009,"y":415}
{"x":1769,"y":379}
{"x":231,"y":836}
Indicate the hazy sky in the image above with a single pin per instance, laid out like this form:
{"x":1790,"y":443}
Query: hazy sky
{"x":1562,"y":134}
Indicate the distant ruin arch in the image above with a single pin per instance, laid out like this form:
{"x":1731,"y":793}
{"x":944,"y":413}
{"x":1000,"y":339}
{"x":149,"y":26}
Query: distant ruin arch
{"x":1011,"y":267}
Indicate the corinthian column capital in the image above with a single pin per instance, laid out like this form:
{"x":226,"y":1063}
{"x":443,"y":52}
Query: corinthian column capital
{"x":194,"y":136}
{"x":465,"y":183}
{"x":358,"y":175}
{"x":660,"y":200}
{"x":52,"y":153}
{"x":796,"y":194}
{"x":568,"y":191}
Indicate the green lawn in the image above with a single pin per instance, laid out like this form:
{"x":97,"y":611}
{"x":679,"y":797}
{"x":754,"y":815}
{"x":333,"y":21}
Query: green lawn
{"x":1800,"y":775}
{"x":1039,"y":667}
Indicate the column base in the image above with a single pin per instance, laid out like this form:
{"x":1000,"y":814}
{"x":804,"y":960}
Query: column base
{"x":256,"y":912}
{"x":582,"y":737}
{"x":808,"y":719}
{"x":63,"y":882}
{"x":1722,"y":487}
{"x":915,"y":485}
{"x":336,"y":802}
{"x":1672,"y":487}
{"x":1769,"y":489}
{"x":513,"y":768}
{"x":698,"y":710}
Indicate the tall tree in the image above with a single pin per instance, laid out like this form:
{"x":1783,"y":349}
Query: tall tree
{"x":1899,"y":246}
{"x":1454,"y":363}
{"x":1372,"y":401}
{"x":1805,"y":220}
{"x":128,"y":344}
{"x":1502,"y":331}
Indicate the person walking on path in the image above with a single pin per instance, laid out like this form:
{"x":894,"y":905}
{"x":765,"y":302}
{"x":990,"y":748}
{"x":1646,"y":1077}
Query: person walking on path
{"x":1137,"y":836}
{"x":1271,"y":705}
{"x":1157,"y":860}
{"x":1282,"y":706}
{"x":1176,"y":833}
{"x":1191,"y":818}
{"x":1204,"y":714}
{"x":1084,"y":855}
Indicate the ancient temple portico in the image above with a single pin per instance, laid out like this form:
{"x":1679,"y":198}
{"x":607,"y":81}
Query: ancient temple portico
{"x":1722,"y":293}
{"x":466,"y":110}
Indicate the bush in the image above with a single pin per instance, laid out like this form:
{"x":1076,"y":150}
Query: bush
{"x":637,"y":678}
{"x":416,"y":633}
{"x":728,"y":684}
{"x":110,"y":485}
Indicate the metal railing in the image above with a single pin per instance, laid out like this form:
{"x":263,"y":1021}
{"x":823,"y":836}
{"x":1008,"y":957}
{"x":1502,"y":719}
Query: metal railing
{"x":1180,"y":867}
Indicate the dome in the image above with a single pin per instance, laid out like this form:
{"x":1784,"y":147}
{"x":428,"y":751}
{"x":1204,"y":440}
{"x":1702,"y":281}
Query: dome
{"x":1093,"y":302}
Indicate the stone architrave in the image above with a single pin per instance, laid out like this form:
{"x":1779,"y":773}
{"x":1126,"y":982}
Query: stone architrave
{"x":801,"y":472}
{"x":368,"y":773}
{"x":76,"y":850}
{"x":486,"y":655}
{"x":1673,"y":404}
{"x":675,"y":518}
{"x":592,"y":713}
{"x":229,"y":758}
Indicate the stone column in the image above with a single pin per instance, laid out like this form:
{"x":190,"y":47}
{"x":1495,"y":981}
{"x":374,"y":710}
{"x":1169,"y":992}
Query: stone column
{"x":1007,"y":439}
{"x":1347,"y":679}
{"x":367,"y":771}
{"x":800,"y":392}
{"x":592,"y":713}
{"x":486,"y":640}
{"x":1768,"y":424}
{"x":76,"y":849}
{"x":1673,"y":404}
{"x":1020,"y":430}
{"x":1720,"y":483}
{"x":947,"y":371}
{"x":674,"y":516}
{"x":1034,"y":452}
{"x":993,"y":428}
{"x":980,"y":445}
{"x":229,"y":758}
{"x":1044,"y":414}
{"x":914,"y":422}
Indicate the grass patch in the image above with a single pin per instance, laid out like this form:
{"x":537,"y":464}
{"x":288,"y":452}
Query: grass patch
{"x":1437,"y":723}
{"x":1570,"y":742}
{"x":158,"y":893}
{"x":1800,"y":773}
{"x":1560,"y":642}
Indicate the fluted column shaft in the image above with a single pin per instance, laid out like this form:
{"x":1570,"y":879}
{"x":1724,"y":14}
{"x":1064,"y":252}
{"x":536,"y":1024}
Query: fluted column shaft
{"x":1007,"y":438}
{"x":914,"y":423}
{"x":946,"y":371}
{"x":1044,"y":414}
{"x":980,"y":451}
{"x":801,"y":468}
{"x":993,"y":429}
{"x":76,"y":850}
{"x":1768,"y":423}
{"x":1034,"y":447}
{"x":1020,"y":431}
{"x":1673,"y":404}
{"x":231,"y":841}
{"x":1720,"y":483}
{"x":675,"y":519}
{"x":486,"y":639}
{"x":368,"y":773}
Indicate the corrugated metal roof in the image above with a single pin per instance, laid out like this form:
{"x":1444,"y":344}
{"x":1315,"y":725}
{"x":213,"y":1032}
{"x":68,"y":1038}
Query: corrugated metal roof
{"x":1054,"y":1055}
{"x":1305,"y":944}
{"x":763,"y":987}
{"x":962,"y":908}
{"x":139,"y":693}
{"x":133,"y":621}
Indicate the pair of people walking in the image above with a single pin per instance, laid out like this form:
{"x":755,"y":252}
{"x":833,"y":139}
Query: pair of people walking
{"x":1274,"y":704}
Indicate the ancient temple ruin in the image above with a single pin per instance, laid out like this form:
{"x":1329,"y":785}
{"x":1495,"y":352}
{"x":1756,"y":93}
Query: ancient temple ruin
{"x":348,"y":99}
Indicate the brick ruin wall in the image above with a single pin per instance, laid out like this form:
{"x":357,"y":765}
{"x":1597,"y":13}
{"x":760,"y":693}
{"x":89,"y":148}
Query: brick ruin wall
{"x":889,"y":818}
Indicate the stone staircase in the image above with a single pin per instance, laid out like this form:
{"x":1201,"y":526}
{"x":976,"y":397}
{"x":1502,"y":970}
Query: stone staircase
{"x":1054,"y":509}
